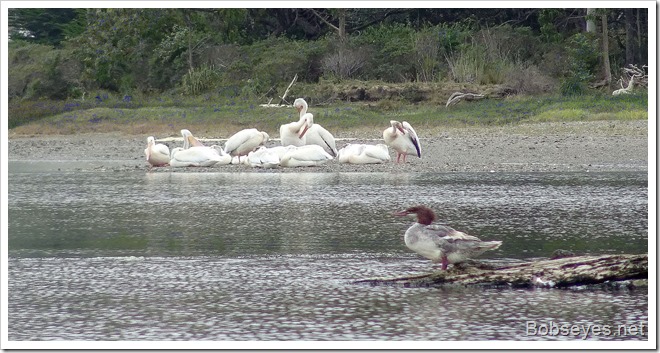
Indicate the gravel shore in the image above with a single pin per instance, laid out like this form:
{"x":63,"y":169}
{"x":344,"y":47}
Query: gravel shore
{"x":562,"y":147}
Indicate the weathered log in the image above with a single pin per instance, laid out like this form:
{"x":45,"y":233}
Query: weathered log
{"x":459,"y":96}
{"x":552,"y":273}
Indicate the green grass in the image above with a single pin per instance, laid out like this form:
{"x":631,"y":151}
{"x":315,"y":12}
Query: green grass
{"x":226,"y":112}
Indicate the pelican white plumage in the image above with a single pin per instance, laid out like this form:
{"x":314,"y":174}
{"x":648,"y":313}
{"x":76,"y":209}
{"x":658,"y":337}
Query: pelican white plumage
{"x":198,"y":156}
{"x":244,"y":142}
{"x":158,"y":154}
{"x":363,"y":154}
{"x":305,"y":156}
{"x":403,"y":139}
{"x":263,"y":157}
{"x":293,"y":134}
{"x":189,"y":140}
{"x":314,"y":134}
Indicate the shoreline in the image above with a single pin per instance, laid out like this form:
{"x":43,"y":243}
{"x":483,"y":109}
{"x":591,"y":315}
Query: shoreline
{"x":538,"y":147}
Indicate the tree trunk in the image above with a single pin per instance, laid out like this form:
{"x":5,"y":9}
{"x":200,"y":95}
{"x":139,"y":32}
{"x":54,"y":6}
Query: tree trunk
{"x":554,"y":273}
{"x":606,"y":51}
{"x":630,"y":36}
{"x":591,"y":24}
{"x":342,"y":25}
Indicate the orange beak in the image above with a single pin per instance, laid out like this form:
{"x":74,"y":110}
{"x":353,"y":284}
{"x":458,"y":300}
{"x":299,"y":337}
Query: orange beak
{"x":304,"y":131}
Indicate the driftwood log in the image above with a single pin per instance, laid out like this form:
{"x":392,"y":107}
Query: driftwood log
{"x":459,"y":96}
{"x":553,"y":273}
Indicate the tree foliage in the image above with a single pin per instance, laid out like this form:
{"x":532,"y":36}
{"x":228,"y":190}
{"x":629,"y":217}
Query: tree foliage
{"x":192,"y":50}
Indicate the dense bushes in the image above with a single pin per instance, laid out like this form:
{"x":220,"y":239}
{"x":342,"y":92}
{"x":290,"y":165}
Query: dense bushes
{"x":192,"y":62}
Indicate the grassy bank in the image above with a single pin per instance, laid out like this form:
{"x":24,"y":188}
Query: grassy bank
{"x":223,"y":114}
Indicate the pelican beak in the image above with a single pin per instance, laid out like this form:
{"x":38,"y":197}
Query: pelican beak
{"x":304,"y":131}
{"x":193,"y":141}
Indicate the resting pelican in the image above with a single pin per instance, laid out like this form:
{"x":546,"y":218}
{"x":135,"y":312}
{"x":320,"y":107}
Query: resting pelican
{"x":263,"y":157}
{"x":363,"y":154}
{"x":199,"y":156}
{"x":315,"y":134}
{"x":305,"y":156}
{"x":403,"y":139}
{"x":244,"y":142}
{"x":158,"y":155}
{"x":293,"y":134}
{"x":189,"y":140}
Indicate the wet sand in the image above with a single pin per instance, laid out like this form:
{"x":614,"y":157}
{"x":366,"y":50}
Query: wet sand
{"x":544,"y":147}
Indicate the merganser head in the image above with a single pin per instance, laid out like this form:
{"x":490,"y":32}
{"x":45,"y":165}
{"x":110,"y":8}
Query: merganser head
{"x":424,"y":214}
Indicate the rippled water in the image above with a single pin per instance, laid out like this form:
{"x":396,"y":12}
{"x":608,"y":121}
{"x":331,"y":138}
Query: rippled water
{"x":272,"y":256}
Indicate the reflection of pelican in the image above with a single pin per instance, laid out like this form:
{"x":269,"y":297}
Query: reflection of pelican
{"x":189,"y":140}
{"x":314,"y":134}
{"x":263,"y":157}
{"x":196,"y":157}
{"x":440,"y":243}
{"x":403,"y":139}
{"x":363,"y":154}
{"x":305,"y":156}
{"x":158,"y":154}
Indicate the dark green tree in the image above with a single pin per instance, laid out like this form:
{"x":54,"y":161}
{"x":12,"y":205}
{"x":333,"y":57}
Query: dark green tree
{"x":46,"y":26}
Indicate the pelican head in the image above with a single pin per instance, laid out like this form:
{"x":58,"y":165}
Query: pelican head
{"x":300,"y":105}
{"x":309,"y":121}
{"x":189,"y":140}
{"x":397,"y":126}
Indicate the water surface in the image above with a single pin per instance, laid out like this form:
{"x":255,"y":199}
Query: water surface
{"x":272,"y":256}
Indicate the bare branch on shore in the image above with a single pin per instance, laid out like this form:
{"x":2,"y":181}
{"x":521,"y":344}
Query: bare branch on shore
{"x":459,"y":96}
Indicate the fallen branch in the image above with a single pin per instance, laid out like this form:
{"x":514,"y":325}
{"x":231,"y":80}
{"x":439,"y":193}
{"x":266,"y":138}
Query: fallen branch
{"x":295,"y":78}
{"x":459,"y":96}
{"x":553,"y":273}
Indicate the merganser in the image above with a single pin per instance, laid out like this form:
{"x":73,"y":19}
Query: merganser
{"x":441,"y":243}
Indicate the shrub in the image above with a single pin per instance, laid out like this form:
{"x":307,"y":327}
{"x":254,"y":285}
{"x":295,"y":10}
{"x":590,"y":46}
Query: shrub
{"x":199,"y":80}
{"x":344,"y":63}
{"x":391,"y":52}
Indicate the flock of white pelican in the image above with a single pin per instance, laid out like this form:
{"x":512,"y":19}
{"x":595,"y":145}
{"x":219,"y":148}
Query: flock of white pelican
{"x":304,"y":144}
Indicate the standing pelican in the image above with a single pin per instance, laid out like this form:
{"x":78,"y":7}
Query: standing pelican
{"x":305,"y":156}
{"x":363,"y":154}
{"x":315,"y":134}
{"x":158,"y":155}
{"x":403,"y":139}
{"x":189,"y":140}
{"x":244,"y":142}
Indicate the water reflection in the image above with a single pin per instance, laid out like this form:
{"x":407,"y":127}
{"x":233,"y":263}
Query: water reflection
{"x":300,"y":213}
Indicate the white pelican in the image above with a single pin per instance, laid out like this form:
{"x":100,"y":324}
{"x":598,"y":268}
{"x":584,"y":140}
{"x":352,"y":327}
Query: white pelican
{"x":305,"y":156}
{"x":403,"y":139}
{"x":244,"y":142}
{"x":263,"y":157}
{"x":199,"y":156}
{"x":293,"y":134}
{"x":363,"y":154}
{"x":314,"y":134}
{"x":158,"y":154}
{"x":440,"y":243}
{"x":189,"y":140}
